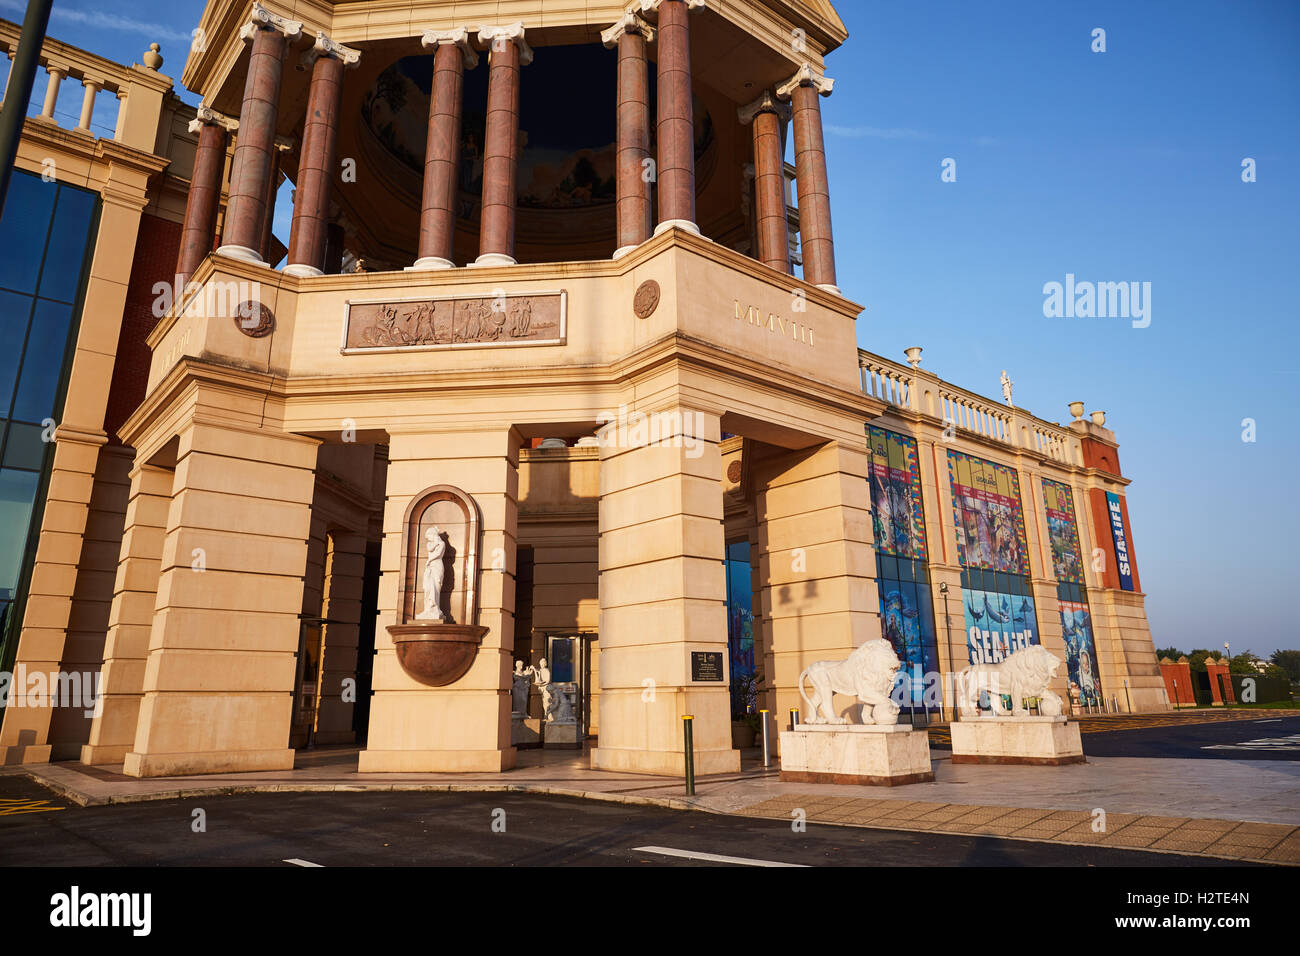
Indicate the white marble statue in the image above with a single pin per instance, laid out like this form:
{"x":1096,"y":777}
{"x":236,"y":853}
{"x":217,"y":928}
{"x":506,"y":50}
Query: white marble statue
{"x":1007,"y":383}
{"x":1025,"y":673}
{"x":521,"y":679}
{"x":555,"y":705}
{"x":868,"y":674}
{"x":435,"y":571}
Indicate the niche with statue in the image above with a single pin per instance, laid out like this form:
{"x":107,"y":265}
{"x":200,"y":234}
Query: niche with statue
{"x":438,"y":635}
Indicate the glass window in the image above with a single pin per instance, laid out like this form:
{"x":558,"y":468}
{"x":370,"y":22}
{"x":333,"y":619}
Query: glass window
{"x":38,"y":385}
{"x":17,"y":492}
{"x":15,"y":311}
{"x":23,"y":228}
{"x":24,"y":449}
{"x":67,"y":246}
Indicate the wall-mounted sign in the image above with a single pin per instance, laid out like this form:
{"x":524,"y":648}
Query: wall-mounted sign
{"x":1121,"y":541}
{"x":487,"y":321}
{"x":707,"y":666}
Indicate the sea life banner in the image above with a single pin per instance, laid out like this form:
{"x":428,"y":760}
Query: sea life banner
{"x":1121,"y":541}
{"x":989,"y":518}
{"x":897,"y":516}
{"x":1063,"y":532}
{"x":1080,"y":653}
{"x":997,"y":625}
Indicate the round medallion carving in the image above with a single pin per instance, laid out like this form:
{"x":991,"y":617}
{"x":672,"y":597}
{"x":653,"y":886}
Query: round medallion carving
{"x":646,"y":299}
{"x":734,"y":472}
{"x":254,"y":319}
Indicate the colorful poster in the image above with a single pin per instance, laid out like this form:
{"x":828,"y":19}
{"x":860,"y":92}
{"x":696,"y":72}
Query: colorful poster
{"x":997,"y":624}
{"x":989,"y":519}
{"x":1062,"y":532}
{"x":897,"y":517}
{"x":1080,"y":653}
{"x":1121,"y":541}
{"x":905,"y":622}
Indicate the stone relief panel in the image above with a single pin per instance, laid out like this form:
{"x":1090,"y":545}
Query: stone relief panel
{"x":509,"y":319}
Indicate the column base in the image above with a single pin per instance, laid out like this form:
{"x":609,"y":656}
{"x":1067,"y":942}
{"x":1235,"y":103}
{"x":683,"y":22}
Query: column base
{"x":102,"y":755}
{"x":683,"y":224}
{"x":670,"y":763}
{"x":229,"y":761}
{"x":436,"y":761}
{"x":832,"y":289}
{"x":302,"y":270}
{"x":621,"y":251}
{"x":429,"y":264}
{"x":242,"y":253}
{"x":489,"y":259}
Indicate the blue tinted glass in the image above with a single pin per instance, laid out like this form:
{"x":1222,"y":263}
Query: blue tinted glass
{"x":24,"y":449}
{"x":17,"y":492}
{"x":67,"y":246}
{"x":15,"y":312}
{"x":23,"y":226}
{"x":44,"y":360}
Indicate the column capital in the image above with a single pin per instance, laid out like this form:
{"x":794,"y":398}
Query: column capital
{"x":627,"y":23}
{"x":457,"y":37}
{"x":206,"y":116}
{"x":765,"y":103}
{"x":261,"y":18}
{"x":283,"y":144}
{"x":806,"y":76}
{"x":645,"y":6}
{"x":324,"y":46}
{"x":490,"y":36}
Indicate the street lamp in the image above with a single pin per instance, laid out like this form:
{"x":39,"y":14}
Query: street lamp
{"x":947,"y":626}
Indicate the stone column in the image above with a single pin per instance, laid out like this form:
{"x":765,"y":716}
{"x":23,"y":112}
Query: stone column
{"x":218,"y":685}
{"x":631,"y":34}
{"x":345,"y":560}
{"x":135,"y":592}
{"x":283,"y":144}
{"x":767,"y":113}
{"x":676,"y":117}
{"x":205,"y":192}
{"x":55,"y":77}
{"x":508,"y":53}
{"x":319,"y":152}
{"x":464,"y":726}
{"x":663,"y":595}
{"x":803,"y":89}
{"x":452,"y":56}
{"x":247,"y":210}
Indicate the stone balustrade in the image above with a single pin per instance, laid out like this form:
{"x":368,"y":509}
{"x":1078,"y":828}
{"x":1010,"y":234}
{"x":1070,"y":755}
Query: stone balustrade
{"x":60,"y":62}
{"x":918,"y":390}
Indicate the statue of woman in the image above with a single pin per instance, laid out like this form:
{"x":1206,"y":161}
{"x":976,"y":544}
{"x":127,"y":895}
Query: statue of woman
{"x":434,"y":573}
{"x":519,"y":689}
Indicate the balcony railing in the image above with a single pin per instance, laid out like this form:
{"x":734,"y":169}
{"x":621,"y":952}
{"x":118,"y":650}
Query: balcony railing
{"x":906,"y":388}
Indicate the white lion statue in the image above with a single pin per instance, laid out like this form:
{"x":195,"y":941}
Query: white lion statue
{"x":1025,"y":673}
{"x":868,"y":674}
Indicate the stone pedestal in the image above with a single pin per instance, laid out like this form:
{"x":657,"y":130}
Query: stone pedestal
{"x":1038,"y":741}
{"x":525,"y":732}
{"x":561,"y":735}
{"x":871,"y":754}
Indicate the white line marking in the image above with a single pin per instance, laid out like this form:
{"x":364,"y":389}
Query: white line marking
{"x":711,"y":857}
{"x":297,"y":862}
{"x":1275,"y":720}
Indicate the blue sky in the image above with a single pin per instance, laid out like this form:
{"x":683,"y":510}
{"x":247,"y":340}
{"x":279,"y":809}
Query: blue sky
{"x":1115,"y":166}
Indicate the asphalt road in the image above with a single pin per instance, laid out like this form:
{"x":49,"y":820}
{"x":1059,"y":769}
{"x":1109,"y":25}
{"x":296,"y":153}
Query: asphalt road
{"x":1269,"y":738}
{"x":457,"y":829}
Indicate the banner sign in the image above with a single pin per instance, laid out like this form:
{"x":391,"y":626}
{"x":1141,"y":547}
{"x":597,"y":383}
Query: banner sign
{"x":1080,"y":653}
{"x":989,"y":520}
{"x":1062,"y":532}
{"x":997,"y":624}
{"x":1121,"y":541}
{"x":895,"y":477}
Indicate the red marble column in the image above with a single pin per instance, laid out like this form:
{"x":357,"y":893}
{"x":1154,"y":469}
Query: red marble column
{"x":501,"y":146}
{"x":676,"y":119}
{"x":442,"y":153}
{"x":247,"y":210}
{"x":635,"y":214}
{"x":316,"y":165}
{"x":204,"y":197}
{"x":769,"y":189}
{"x":814,"y":191}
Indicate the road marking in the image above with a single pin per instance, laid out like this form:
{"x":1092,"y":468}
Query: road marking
{"x":1275,"y":720}
{"x":297,"y":862}
{"x":1263,"y":743}
{"x":12,"y":806}
{"x":711,"y":857}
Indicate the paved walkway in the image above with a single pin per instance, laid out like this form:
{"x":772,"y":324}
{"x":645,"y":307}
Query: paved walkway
{"x":1247,"y":810}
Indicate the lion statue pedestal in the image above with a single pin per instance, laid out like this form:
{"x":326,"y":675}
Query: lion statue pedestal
{"x":879,"y":751}
{"x":1014,"y":736}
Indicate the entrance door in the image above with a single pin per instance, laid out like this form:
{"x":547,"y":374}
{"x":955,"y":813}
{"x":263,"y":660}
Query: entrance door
{"x":570,"y":661}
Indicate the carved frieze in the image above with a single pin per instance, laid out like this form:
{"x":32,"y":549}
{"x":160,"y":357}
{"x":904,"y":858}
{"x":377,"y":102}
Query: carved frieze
{"x":487,"y":321}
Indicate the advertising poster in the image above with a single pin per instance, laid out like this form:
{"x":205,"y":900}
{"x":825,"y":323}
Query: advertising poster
{"x":988,"y":515}
{"x":1080,"y":653}
{"x":895,"y":476}
{"x":997,"y":624}
{"x":1062,"y":532}
{"x":1121,"y":541}
{"x":905,"y":622}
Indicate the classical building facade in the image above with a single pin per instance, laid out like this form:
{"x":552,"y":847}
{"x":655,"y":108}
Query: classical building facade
{"x":556,"y":367}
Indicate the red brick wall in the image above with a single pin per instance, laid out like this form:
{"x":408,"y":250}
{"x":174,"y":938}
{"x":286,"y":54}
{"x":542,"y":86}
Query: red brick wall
{"x":1101,"y":456}
{"x":156,"y":247}
{"x":1220,"y":683}
{"x":1184,"y":695}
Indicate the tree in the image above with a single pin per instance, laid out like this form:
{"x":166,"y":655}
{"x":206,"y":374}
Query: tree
{"x":1172,"y":653}
{"x":1289,"y":661}
{"x":1245,"y":663}
{"x":1198,"y":657}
